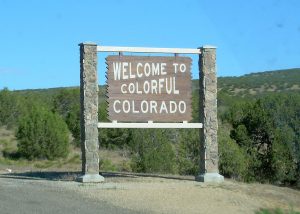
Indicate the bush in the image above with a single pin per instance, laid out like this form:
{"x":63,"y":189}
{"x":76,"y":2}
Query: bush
{"x":114,"y":138}
{"x":107,"y":165}
{"x":232,"y":161}
{"x":67,"y":105}
{"x":42,"y":134}
{"x":276,"y":211}
{"x":189,"y":152}
{"x":267,"y":130}
{"x":282,"y":158}
{"x":152,"y":152}
{"x":9,"y":108}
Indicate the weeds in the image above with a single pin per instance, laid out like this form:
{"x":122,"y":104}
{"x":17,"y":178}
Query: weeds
{"x":276,"y":211}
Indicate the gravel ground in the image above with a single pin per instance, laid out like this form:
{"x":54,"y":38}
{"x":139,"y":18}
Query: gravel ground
{"x":30,"y":196}
{"x":143,"y":194}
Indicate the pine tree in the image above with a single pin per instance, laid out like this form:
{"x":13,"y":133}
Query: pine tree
{"x":42,"y":134}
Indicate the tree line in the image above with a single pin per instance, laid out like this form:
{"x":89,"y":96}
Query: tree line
{"x":259,"y":137}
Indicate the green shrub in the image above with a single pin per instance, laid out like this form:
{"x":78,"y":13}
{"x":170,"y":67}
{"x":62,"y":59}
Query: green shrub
{"x":114,"y":138}
{"x":67,"y":104}
{"x":267,"y":130}
{"x":42,"y":134}
{"x":152,"y":151}
{"x":276,"y":211}
{"x":107,"y":165}
{"x":9,"y":108}
{"x":189,"y":152}
{"x":232,"y":162}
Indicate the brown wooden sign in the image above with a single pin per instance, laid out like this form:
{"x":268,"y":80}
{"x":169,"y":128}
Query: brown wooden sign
{"x":142,"y":88}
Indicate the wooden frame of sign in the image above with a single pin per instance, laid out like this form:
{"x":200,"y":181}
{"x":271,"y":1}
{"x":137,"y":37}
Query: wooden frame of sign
{"x":149,"y":91}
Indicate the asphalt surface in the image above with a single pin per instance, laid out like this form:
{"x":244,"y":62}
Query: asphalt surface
{"x":31,"y":196}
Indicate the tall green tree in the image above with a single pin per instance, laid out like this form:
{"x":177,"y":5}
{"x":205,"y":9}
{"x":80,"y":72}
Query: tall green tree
{"x":67,"y":104}
{"x":268,"y":131}
{"x":9,"y":108}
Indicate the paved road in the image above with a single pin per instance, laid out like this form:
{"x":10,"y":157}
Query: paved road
{"x":29,"y":196}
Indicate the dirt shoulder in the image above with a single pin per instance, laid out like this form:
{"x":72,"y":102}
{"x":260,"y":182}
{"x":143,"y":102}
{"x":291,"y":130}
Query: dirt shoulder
{"x":178,"y":195}
{"x":160,"y":195}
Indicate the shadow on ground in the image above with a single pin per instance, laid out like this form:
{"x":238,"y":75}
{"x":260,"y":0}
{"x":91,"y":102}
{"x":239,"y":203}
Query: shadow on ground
{"x":71,"y":176}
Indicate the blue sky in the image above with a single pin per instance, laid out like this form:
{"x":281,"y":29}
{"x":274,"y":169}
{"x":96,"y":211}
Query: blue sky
{"x":39,"y":39}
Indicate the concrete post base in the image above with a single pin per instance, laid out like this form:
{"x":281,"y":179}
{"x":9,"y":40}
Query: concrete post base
{"x":90,"y":178}
{"x":210,"y":177}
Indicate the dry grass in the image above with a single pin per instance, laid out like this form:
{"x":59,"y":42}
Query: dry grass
{"x":295,"y":87}
{"x":111,"y":160}
{"x":8,"y":147}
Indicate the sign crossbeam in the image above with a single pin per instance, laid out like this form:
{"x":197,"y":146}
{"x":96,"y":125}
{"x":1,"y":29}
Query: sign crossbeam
{"x":148,"y":50}
{"x":151,"y":125}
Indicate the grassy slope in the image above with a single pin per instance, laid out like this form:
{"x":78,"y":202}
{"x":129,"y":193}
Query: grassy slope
{"x":249,"y":84}
{"x":261,"y":83}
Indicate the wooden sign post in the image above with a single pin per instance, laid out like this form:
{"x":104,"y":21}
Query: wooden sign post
{"x":144,"y":91}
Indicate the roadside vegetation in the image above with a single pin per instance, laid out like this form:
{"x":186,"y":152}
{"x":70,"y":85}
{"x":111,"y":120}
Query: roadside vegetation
{"x":276,"y":211}
{"x":259,"y":132}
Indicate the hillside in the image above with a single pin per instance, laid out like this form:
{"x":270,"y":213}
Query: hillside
{"x":261,"y":83}
{"x":249,"y":84}
{"x":230,"y":89}
{"x":258,"y":83}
